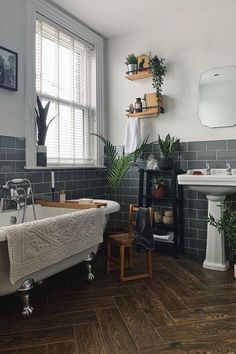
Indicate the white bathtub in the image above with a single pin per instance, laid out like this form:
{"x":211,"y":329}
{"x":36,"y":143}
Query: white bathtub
{"x":41,"y":212}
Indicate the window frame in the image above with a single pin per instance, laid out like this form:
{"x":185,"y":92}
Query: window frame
{"x":70,"y":24}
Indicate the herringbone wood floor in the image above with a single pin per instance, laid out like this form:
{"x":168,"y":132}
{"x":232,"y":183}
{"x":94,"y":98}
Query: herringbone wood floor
{"x":183,"y":309}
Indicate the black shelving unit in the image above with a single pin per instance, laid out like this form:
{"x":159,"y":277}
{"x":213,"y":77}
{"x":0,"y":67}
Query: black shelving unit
{"x":173,"y":200}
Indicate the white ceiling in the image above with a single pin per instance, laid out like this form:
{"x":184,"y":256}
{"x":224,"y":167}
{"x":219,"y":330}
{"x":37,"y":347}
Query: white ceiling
{"x":118,"y":17}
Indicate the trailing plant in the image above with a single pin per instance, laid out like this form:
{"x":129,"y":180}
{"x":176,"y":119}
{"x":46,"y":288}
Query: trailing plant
{"x":158,"y":70}
{"x":227,"y":224}
{"x":41,"y":120}
{"x":169,"y":145}
{"x":131,"y":59}
{"x":119,"y":165}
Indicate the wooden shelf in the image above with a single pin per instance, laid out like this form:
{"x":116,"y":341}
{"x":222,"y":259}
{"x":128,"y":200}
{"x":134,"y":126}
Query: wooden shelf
{"x":140,"y":75}
{"x":143,"y":114}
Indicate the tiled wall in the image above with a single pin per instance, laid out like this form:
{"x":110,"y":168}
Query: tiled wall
{"x":77,"y":183}
{"x":92,"y":183}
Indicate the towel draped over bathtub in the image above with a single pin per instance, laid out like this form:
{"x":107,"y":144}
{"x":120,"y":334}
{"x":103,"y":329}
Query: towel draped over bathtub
{"x":39,"y":244}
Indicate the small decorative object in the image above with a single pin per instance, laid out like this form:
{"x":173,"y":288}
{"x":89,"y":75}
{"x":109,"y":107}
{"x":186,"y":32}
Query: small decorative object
{"x":159,"y":188}
{"x":168,"y":217}
{"x":152,"y":163}
{"x":53,"y":185}
{"x":42,"y":128}
{"x":158,"y":70}
{"x":138,"y":105}
{"x":144,"y":105}
{"x":157,"y":217}
{"x":8,"y":69}
{"x":227,"y":223}
{"x":143,"y":62}
{"x":62,"y":197}
{"x":131,"y":108}
{"x":168,"y":147}
{"x":132,"y":64}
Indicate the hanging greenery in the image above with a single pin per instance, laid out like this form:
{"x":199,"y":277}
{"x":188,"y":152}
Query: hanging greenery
{"x":119,"y":165}
{"x":158,"y":70}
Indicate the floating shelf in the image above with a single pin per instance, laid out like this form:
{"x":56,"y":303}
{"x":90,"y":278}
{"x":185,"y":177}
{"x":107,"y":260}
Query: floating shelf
{"x":143,"y":114}
{"x":140,"y":75}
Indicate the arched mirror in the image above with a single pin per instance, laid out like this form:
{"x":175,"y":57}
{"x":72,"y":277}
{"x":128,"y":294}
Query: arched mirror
{"x":217,"y":97}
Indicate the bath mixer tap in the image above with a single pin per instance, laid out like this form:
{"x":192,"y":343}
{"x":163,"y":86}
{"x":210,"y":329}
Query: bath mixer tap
{"x":208,"y":169}
{"x":228,"y":169}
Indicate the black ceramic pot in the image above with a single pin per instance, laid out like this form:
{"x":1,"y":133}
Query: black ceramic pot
{"x":166,"y":163}
{"x":42,"y":155}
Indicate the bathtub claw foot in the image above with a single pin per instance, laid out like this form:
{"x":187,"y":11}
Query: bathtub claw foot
{"x":24,"y":292}
{"x":91,"y":277}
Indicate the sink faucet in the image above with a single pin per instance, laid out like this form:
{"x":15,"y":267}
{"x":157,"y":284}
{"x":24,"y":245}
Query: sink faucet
{"x":208,"y":169}
{"x":228,"y":169}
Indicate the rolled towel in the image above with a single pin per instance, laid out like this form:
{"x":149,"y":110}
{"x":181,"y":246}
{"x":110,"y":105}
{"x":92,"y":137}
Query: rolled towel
{"x":132,"y":135}
{"x":168,"y":237}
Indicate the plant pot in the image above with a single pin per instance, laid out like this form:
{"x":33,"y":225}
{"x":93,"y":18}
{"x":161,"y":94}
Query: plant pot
{"x":41,"y":155}
{"x":160,"y":191}
{"x":166,"y":163}
{"x":132,"y":69}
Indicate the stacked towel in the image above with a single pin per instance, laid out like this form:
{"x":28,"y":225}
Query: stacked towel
{"x":168,"y":237}
{"x":132,"y":135}
{"x":36,"y":245}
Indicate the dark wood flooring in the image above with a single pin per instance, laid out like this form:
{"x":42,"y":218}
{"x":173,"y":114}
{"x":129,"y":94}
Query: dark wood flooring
{"x":183,"y":309}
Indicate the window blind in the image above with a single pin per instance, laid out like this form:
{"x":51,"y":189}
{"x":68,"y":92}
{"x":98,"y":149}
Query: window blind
{"x":66,"y":76}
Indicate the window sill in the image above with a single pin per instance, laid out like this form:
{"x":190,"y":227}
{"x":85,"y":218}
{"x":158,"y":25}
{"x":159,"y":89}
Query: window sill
{"x":66,"y":167}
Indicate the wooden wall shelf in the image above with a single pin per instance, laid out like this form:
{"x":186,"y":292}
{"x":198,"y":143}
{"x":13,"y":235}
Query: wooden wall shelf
{"x":140,"y":75}
{"x":143,"y":114}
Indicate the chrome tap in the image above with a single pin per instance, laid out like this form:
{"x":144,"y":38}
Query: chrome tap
{"x":228,"y":169}
{"x":208,"y":169}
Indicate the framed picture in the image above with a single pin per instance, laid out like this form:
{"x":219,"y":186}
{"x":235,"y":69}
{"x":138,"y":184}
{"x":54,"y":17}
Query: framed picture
{"x":8,"y":69}
{"x":143,"y":62}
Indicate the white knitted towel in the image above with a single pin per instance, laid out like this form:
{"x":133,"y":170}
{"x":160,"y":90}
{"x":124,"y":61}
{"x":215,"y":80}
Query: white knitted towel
{"x":36,"y":245}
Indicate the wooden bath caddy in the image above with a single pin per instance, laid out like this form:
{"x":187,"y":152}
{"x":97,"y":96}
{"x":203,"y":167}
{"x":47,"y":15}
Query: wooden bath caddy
{"x":73,"y":204}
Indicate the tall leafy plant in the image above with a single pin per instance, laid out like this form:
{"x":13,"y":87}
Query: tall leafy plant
{"x":119,"y":165}
{"x":41,"y":121}
{"x":169,"y":145}
{"x":158,"y":70}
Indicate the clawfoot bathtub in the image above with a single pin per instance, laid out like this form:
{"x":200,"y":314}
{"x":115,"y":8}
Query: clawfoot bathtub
{"x":25,"y":284}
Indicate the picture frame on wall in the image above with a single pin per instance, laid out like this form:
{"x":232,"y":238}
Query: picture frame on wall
{"x":8,"y":69}
{"x":143,"y":62}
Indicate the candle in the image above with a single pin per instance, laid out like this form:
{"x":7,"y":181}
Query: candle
{"x":53,"y":179}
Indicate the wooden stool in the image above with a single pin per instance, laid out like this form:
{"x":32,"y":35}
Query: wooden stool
{"x":126,"y":241}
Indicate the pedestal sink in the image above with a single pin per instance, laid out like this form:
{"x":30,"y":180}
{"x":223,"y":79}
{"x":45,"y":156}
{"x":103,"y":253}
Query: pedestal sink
{"x":216,"y":186}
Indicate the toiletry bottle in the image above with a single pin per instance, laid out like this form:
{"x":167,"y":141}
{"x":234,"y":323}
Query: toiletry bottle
{"x":138,"y":105}
{"x":62,"y":197}
{"x":144,"y":105}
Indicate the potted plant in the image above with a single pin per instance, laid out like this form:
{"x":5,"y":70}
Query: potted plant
{"x":42,"y":128}
{"x":168,"y":147}
{"x":227,"y":224}
{"x":159,"y":187}
{"x":132,"y":64}
{"x":158,"y":70}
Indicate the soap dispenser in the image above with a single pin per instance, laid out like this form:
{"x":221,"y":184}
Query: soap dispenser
{"x":62,"y":197}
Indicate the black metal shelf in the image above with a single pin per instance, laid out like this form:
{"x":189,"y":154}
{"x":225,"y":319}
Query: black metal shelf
{"x":174,"y":200}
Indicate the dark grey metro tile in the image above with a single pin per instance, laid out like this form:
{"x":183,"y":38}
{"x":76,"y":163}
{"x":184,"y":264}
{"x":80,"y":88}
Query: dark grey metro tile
{"x":188,"y":155}
{"x":20,"y":143}
{"x":16,"y":154}
{"x":197,"y":224}
{"x":35,"y":177}
{"x":83,"y":184}
{"x":69,"y":185}
{"x":63,"y":176}
{"x":231,"y":144}
{"x":7,"y":166}
{"x":20,"y":166}
{"x":197,"y":145}
{"x":202,"y":214}
{"x":7,"y":141}
{"x":226,"y":155}
{"x":42,"y":188}
{"x":190,"y":233}
{"x":216,"y":145}
{"x":3,"y":153}
{"x":196,"y":164}
{"x":197,"y":204}
{"x":206,"y":155}
{"x":94,"y":183}
{"x":202,"y":234}
{"x":199,"y":244}
{"x":233,"y":163}
{"x":217,"y":164}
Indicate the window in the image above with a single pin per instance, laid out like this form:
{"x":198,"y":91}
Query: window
{"x":66,"y":76}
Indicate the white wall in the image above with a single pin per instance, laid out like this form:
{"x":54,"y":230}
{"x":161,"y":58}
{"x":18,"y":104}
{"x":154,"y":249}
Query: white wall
{"x":190,"y":45}
{"x":12,"y":37}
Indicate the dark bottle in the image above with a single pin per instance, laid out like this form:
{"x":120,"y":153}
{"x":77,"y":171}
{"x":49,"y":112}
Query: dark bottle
{"x":138,"y":105}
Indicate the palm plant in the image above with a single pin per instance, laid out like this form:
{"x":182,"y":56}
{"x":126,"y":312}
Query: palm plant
{"x":119,"y":165}
{"x":41,"y":120}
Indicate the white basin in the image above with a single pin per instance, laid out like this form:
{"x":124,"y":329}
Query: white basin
{"x":216,"y":186}
{"x":217,"y":183}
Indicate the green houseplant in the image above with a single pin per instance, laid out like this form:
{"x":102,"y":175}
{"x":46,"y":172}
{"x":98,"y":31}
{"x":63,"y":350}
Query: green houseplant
{"x":227,"y":224}
{"x":158,"y":70}
{"x":132,"y":64}
{"x":119,"y":165}
{"x":168,"y":146}
{"x":42,"y":128}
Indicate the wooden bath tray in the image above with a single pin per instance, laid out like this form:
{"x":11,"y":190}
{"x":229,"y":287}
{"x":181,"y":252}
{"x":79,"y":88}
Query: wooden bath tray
{"x":70,"y":204}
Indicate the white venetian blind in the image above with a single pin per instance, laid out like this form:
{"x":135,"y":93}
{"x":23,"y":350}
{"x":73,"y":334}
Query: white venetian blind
{"x":66,"y":76}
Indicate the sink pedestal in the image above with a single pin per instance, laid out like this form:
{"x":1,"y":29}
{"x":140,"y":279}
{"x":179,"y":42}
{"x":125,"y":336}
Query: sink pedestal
{"x":215,"y":250}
